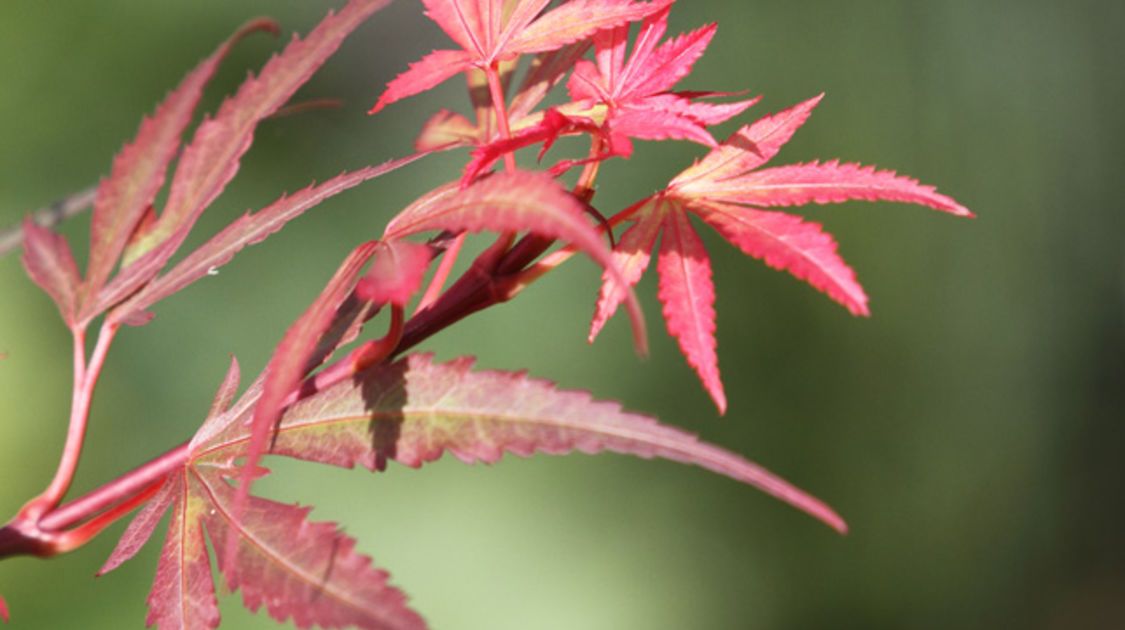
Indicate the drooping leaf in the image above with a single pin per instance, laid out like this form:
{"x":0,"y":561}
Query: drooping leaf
{"x":139,"y":169}
{"x":212,"y":158}
{"x":297,"y":569}
{"x":688,"y":296}
{"x":50,"y":264}
{"x":414,"y":410}
{"x":685,"y":287}
{"x":144,"y":523}
{"x":290,"y":361}
{"x":512,"y":202}
{"x":491,"y":31}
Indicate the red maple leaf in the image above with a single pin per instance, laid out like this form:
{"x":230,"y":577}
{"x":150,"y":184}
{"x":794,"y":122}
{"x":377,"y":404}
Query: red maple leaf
{"x":725,"y":190}
{"x":492,"y":31}
{"x":634,"y":94}
{"x":614,"y":98}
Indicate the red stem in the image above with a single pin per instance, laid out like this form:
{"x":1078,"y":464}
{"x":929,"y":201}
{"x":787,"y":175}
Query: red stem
{"x":115,"y":491}
{"x":75,"y":538}
{"x":445,"y":267}
{"x":85,"y":378}
{"x":496,"y":91}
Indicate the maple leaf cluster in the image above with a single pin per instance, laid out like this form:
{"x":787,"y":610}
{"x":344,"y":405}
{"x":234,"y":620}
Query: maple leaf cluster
{"x":376,"y":403}
{"x":624,"y":94}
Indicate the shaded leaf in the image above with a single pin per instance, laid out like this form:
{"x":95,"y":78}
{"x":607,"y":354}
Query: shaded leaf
{"x":545,"y":71}
{"x":446,"y":129}
{"x":297,"y":569}
{"x":548,"y":128}
{"x":414,"y":410}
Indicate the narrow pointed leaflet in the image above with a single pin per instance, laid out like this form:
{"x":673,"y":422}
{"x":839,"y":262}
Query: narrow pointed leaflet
{"x":414,"y":410}
{"x":213,"y":156}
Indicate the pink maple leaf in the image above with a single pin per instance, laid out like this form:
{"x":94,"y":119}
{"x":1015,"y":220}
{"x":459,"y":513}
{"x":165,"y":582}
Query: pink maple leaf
{"x":635,"y":92}
{"x":492,"y":31}
{"x":726,"y":190}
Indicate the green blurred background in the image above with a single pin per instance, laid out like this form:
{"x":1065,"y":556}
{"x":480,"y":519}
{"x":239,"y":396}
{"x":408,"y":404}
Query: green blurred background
{"x":970,"y":431}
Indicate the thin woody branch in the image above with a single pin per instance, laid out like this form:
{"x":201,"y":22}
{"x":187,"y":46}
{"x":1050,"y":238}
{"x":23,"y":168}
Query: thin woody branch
{"x":49,"y":216}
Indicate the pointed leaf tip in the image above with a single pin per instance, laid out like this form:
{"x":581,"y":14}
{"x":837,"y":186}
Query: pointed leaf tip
{"x":688,"y":295}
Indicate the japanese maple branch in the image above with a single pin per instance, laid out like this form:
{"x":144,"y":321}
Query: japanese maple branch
{"x":40,"y":528}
